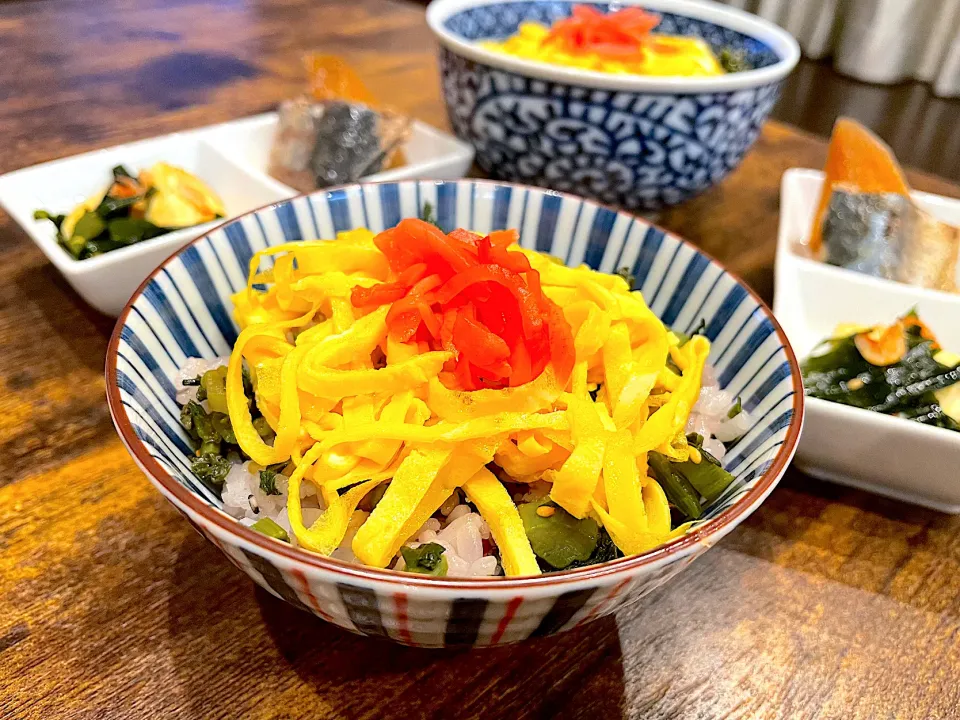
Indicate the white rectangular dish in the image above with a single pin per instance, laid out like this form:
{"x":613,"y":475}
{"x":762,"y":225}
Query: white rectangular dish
{"x":890,"y":456}
{"x":231,"y":157}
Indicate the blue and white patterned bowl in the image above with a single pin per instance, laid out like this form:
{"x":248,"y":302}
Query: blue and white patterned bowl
{"x":632,"y":141}
{"x":183,"y":310}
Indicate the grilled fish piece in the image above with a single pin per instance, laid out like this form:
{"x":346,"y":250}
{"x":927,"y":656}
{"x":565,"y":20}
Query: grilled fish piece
{"x":331,"y":143}
{"x":886,"y":235}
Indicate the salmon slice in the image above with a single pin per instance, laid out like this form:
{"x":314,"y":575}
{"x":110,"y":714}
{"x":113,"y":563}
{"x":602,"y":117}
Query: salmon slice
{"x":858,"y":161}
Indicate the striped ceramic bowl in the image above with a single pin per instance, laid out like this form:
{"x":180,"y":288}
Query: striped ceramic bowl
{"x":183,"y":310}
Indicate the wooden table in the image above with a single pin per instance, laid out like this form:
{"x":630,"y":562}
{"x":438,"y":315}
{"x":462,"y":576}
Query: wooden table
{"x":825,"y":603}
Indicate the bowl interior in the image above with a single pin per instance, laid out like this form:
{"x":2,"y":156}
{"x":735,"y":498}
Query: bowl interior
{"x":500,"y":20}
{"x":184,"y":309}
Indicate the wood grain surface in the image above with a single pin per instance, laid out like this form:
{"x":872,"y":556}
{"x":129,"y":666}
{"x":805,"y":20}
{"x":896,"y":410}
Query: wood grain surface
{"x":826,"y":603}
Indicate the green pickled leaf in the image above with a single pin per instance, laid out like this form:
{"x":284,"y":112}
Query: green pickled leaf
{"x":263,"y":428}
{"x":117,"y":207}
{"x":427,"y":214}
{"x":707,"y":478}
{"x":270,"y":528}
{"x":221,"y":423}
{"x":427,"y":559}
{"x":559,"y":539}
{"x":121,"y":172}
{"x":681,"y":494}
{"x":736,"y":409}
{"x":627,"y":275}
{"x":268,"y":482}
{"x":605,"y":551}
{"x":88,"y":227}
{"x":127,"y":231}
{"x":57,"y":220}
{"x":214,"y":384}
{"x":210,"y":468}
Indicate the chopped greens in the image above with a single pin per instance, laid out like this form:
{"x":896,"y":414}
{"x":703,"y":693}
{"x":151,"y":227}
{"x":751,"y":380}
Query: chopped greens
{"x":427,"y":214}
{"x":557,"y":537}
{"x":210,"y":468}
{"x":700,"y":329}
{"x":627,"y":275}
{"x":708,"y":478}
{"x":605,"y":551}
{"x":736,"y":409}
{"x":907,"y":387}
{"x":268,"y":482}
{"x":681,"y":494}
{"x":270,"y":528}
{"x":213,"y":433}
{"x":427,"y":559}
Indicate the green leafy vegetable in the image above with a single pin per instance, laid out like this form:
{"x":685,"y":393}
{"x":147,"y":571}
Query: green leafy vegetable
{"x":120,"y":171}
{"x":427,"y":214}
{"x":268,"y":482}
{"x":631,"y":279}
{"x":214,"y":384}
{"x":270,"y":528}
{"x":57,"y":220}
{"x":89,"y":226}
{"x":263,"y":428}
{"x":127,"y":231}
{"x":427,"y":559}
{"x":559,"y":539}
{"x":196,"y":421}
{"x":736,"y":409}
{"x":681,"y":494}
{"x":210,"y":468}
{"x":707,"y":478}
{"x":116,"y":222}
{"x":605,"y":551}
{"x":221,"y":423}
{"x":684,"y":338}
{"x":117,"y":207}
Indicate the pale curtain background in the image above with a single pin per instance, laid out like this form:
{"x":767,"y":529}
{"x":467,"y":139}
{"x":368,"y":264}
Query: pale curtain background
{"x":880,"y":41}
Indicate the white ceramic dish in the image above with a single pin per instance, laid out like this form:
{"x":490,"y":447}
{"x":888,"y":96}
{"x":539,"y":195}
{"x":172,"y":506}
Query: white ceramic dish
{"x":231,"y":157}
{"x":887,"y":455}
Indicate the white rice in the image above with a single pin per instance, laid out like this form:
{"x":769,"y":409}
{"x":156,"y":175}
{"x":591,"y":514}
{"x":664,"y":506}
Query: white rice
{"x":709,"y":417}
{"x":461,"y":534}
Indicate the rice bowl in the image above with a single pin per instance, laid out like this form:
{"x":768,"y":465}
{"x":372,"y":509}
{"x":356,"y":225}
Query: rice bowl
{"x":512,"y":608}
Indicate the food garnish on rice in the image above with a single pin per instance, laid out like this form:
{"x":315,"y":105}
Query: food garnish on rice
{"x":454,"y":403}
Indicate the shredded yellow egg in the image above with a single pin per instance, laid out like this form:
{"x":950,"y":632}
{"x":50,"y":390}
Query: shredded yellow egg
{"x":664,"y":55}
{"x":352,"y":408}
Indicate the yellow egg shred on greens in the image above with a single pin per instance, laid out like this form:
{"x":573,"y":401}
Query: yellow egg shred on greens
{"x":353,"y":409}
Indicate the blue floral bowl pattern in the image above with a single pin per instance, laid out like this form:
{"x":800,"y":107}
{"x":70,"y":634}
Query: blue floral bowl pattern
{"x":183,"y":310}
{"x":609,"y":138}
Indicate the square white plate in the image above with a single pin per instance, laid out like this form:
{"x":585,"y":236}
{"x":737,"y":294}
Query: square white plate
{"x":891,"y":456}
{"x":231,"y":157}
